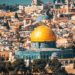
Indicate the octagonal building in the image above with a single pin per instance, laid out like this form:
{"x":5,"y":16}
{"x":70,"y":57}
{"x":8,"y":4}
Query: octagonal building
{"x":43,"y":37}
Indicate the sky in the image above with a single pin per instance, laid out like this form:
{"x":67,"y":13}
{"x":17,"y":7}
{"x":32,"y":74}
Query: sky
{"x":12,"y":2}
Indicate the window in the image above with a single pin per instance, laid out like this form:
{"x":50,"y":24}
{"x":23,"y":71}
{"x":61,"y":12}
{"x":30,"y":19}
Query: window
{"x":39,"y":44}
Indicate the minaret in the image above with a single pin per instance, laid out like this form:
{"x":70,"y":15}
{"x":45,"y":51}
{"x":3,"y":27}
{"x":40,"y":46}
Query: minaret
{"x":67,"y":5}
{"x":34,"y":2}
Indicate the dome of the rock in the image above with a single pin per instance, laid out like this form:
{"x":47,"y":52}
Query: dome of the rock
{"x":42,"y":34}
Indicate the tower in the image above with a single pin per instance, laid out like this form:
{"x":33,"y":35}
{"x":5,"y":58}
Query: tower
{"x":37,"y":2}
{"x":68,"y":5}
{"x":68,"y":1}
{"x":34,"y":2}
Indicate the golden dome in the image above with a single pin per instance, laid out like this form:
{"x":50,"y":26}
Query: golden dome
{"x":42,"y":33}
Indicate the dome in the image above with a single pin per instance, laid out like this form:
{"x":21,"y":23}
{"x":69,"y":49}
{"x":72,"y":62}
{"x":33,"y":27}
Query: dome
{"x":42,"y":34}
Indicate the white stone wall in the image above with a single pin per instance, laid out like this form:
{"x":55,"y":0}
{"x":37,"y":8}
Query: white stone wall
{"x":30,"y":9}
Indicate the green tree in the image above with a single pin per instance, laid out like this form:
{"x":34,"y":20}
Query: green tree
{"x":55,"y":66}
{"x":16,"y":16}
{"x":19,"y":65}
{"x":39,"y":2}
{"x":3,"y":68}
{"x":63,"y":1}
{"x":39,"y":65}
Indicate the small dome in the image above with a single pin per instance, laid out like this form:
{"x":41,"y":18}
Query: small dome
{"x":42,"y":34}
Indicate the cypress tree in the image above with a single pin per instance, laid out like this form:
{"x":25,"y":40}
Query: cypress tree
{"x":63,"y":1}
